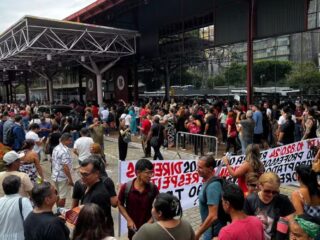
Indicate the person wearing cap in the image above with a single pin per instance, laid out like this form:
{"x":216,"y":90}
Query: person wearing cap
{"x":12,"y":163}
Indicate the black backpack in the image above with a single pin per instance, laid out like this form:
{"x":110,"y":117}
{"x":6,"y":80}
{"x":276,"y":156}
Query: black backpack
{"x":10,"y":136}
{"x":223,"y":217}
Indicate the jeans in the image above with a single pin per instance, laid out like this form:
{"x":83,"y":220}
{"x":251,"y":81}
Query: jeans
{"x":244,"y":144}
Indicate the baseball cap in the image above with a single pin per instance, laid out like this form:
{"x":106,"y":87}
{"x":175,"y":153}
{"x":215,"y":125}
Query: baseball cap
{"x":12,"y":156}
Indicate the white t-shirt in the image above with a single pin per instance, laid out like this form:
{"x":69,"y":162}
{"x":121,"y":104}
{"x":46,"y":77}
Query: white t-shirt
{"x":104,"y":114}
{"x":127,"y":120}
{"x":82,"y":145}
{"x":10,"y":218}
{"x":34,"y":136}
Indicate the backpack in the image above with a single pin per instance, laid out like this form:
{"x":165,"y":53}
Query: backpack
{"x":151,"y":193}
{"x":223,"y":217}
{"x":10,"y":136}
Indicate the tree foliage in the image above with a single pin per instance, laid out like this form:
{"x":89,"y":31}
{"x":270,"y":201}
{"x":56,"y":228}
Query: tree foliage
{"x":305,"y":76}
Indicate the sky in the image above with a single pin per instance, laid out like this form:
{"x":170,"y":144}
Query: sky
{"x":11,"y":11}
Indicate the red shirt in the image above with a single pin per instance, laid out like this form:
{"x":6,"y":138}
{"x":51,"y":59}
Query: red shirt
{"x":95,"y":111}
{"x":138,"y":205}
{"x":146,"y":125}
{"x":248,"y":228}
{"x":230,"y":122}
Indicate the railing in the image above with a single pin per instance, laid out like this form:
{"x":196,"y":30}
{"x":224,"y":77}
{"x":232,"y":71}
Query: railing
{"x":196,"y":143}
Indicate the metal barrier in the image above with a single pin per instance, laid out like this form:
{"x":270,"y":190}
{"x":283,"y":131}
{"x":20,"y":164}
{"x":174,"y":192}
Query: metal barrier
{"x":196,"y":143}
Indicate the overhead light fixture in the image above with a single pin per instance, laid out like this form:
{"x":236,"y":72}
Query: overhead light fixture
{"x":49,"y":57}
{"x":59,"y":64}
{"x":83,"y":58}
{"x":29,"y":63}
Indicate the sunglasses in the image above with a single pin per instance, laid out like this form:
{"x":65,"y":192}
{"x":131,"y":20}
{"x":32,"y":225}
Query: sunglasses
{"x":270,"y":192}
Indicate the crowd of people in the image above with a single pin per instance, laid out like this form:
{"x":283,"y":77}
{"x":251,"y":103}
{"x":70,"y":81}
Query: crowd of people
{"x":253,"y":208}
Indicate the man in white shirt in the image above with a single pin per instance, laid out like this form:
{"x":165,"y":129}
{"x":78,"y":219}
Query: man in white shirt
{"x":14,"y":209}
{"x":33,"y":134}
{"x":61,"y":168}
{"x":104,"y":114}
{"x":82,"y":145}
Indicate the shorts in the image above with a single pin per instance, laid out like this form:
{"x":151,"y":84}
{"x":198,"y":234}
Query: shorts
{"x":63,"y":189}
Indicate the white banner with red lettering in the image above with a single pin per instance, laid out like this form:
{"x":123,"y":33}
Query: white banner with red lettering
{"x":281,"y":160}
{"x":180,"y":177}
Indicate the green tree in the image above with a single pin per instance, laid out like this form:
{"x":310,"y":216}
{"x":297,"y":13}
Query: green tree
{"x":266,"y":72}
{"x":235,"y":74}
{"x":304,"y":76}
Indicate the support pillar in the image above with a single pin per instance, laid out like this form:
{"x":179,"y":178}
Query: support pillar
{"x":26,"y":76}
{"x":99,"y":89}
{"x":251,"y":20}
{"x":98,"y":72}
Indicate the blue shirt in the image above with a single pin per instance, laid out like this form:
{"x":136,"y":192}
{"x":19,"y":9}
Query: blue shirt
{"x":213,"y":194}
{"x":257,"y":117}
{"x":44,"y":125}
{"x":19,"y":137}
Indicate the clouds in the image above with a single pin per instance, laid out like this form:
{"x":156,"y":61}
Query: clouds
{"x":13,"y":10}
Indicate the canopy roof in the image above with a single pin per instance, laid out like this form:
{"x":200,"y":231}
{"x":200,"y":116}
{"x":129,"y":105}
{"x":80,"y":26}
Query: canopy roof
{"x":35,"y":41}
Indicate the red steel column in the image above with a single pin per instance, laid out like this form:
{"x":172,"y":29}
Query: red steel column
{"x":251,"y":21}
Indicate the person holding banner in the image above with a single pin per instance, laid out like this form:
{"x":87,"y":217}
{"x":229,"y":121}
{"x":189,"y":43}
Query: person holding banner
{"x":165,"y":207}
{"x":270,"y":206}
{"x":252,"y":164}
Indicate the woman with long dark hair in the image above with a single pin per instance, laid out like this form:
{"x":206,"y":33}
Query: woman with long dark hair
{"x":91,"y":224}
{"x":306,"y":200}
{"x":251,"y":164}
{"x":165,"y":208}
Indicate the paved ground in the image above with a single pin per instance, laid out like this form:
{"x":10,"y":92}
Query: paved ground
{"x":135,"y":152}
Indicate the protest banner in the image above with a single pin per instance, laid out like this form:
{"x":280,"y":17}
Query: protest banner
{"x":179,"y":177}
{"x":280,"y":160}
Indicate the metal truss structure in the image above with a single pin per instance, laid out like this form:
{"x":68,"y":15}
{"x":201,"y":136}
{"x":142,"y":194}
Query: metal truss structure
{"x":41,"y":42}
